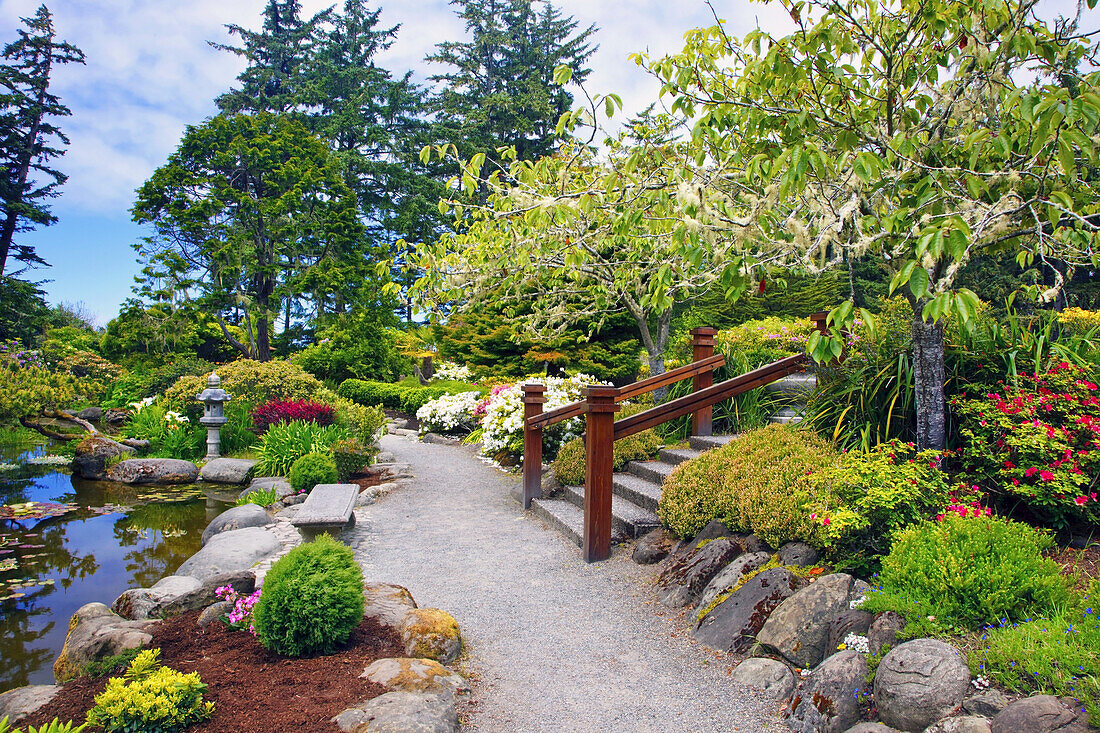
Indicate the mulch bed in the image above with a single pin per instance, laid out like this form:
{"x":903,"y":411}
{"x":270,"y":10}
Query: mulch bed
{"x":1083,"y":565}
{"x":252,"y":689}
{"x":373,"y":477}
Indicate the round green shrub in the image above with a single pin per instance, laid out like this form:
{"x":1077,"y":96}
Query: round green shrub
{"x":760,"y":483}
{"x":963,"y":573}
{"x":312,"y":469}
{"x":312,"y":599}
{"x":569,"y":466}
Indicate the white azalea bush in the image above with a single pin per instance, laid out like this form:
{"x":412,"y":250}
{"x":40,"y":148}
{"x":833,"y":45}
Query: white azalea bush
{"x":502,"y":424}
{"x":450,"y":370}
{"x":449,"y":414}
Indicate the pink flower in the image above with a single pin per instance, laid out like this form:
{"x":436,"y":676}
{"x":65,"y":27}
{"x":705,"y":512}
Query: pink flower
{"x":1046,"y":475}
{"x":826,"y":521}
{"x":1081,"y":500}
{"x":1031,"y":472}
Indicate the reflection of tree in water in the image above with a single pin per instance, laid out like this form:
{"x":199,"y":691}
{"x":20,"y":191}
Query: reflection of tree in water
{"x":164,"y":535}
{"x":54,"y":557}
{"x":17,"y":637}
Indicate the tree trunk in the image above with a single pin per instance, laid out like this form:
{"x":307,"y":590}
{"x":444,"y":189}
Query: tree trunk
{"x":929,"y":376}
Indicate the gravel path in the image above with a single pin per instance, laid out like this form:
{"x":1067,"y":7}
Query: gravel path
{"x":553,"y":644}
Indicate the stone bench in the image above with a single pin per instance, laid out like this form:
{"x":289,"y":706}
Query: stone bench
{"x":328,"y":507}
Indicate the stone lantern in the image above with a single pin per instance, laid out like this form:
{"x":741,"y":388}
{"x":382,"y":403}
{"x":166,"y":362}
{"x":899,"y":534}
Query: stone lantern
{"x":212,"y":399}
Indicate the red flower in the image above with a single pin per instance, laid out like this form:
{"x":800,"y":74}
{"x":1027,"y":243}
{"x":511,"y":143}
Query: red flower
{"x":1046,"y":475}
{"x":1031,"y":472}
{"x":1081,"y":500}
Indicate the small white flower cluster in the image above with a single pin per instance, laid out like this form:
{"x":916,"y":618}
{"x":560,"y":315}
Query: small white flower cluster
{"x":451,"y":413}
{"x":857,"y":643}
{"x":450,"y":370}
{"x":980,"y":682}
{"x":503,"y":421}
{"x":8,"y":467}
{"x":857,"y":602}
{"x":142,"y":404}
{"x":175,"y":417}
{"x":49,"y":461}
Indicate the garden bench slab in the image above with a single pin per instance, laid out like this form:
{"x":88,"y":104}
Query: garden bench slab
{"x":328,"y":506}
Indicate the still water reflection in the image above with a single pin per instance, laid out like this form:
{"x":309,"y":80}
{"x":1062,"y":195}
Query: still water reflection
{"x":112,"y":537}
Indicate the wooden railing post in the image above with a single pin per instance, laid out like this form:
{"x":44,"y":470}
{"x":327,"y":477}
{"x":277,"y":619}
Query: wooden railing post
{"x":820,"y":321}
{"x":599,"y":446}
{"x":534,"y":397}
{"x":702,"y":347}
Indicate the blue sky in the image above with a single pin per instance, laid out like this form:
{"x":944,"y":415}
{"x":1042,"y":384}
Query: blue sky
{"x":150,"y":72}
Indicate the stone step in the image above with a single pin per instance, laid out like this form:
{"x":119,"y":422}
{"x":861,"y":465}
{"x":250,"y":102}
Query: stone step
{"x":788,"y":415}
{"x":636,"y":489}
{"x":563,"y":516}
{"x":793,"y":385}
{"x":655,"y":471}
{"x":709,"y":442}
{"x":627,"y":518}
{"x":676,"y":456}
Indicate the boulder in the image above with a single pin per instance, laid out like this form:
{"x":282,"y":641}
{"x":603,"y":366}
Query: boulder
{"x":401,"y":712}
{"x":714,"y":529}
{"x":96,"y":632}
{"x":797,"y":554}
{"x":920,"y":682}
{"x":682,"y":584}
{"x":213,"y":612}
{"x":431,"y":634}
{"x":752,"y":543}
{"x":115,"y":417}
{"x":733,"y":624}
{"x":653,"y":547}
{"x":387,"y":604}
{"x":178,"y":594}
{"x":830,"y":697}
{"x":91,"y":414}
{"x":385,"y":457}
{"x":227,"y":470}
{"x":239,"y":517}
{"x":237,"y":549}
{"x":731,"y":576}
{"x":962,"y":724}
{"x":884,"y":630}
{"x":1038,"y":714}
{"x":870,"y":728}
{"x":22,"y":701}
{"x":798,"y":629}
{"x":773,"y":678}
{"x":281,"y":486}
{"x":414,"y":675}
{"x":987,"y":704}
{"x":852,"y":621}
{"x":92,"y":453}
{"x":159,"y":471}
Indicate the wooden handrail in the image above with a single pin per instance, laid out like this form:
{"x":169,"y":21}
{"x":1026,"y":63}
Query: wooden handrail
{"x":710,"y":396}
{"x":576,"y":409}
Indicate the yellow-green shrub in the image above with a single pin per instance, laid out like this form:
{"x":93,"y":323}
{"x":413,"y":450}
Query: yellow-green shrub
{"x":1079,"y":320}
{"x":254,"y":382}
{"x":760,"y":483}
{"x":150,"y":698}
{"x":569,"y":466}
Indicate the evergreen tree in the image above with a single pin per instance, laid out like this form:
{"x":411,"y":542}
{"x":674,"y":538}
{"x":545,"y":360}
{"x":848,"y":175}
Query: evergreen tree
{"x":28,"y":140}
{"x":500,"y":91}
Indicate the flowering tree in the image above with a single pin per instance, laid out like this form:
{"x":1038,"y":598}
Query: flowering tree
{"x":921,"y":132}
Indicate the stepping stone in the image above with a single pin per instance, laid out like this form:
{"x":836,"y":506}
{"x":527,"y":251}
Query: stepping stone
{"x":328,"y":506}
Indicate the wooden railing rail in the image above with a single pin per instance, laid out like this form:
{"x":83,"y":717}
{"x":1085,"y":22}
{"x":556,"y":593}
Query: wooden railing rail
{"x":629,"y":392}
{"x":602,"y":430}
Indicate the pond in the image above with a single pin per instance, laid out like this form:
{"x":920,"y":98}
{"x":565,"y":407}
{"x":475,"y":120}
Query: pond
{"x":107,"y":538}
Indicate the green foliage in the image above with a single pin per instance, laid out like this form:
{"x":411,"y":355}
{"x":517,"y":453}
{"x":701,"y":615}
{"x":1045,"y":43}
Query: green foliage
{"x":866,"y":497}
{"x":288,"y":227}
{"x":150,"y":698}
{"x":254,"y":382}
{"x":111,"y":664}
{"x":259,"y":497}
{"x":143,"y":335}
{"x":569,"y":466}
{"x":356,"y":345}
{"x":284,"y":444}
{"x":151,"y":380}
{"x":787,"y":295}
{"x":312,"y":469}
{"x":404,"y":396}
{"x":962,"y":573}
{"x":312,"y":599}
{"x":762,"y":483}
{"x":1056,"y":655}
{"x":54,"y":726}
{"x":351,"y":456}
{"x":1034,"y":447}
{"x":28,"y":390}
{"x":361,"y":421}
{"x":19,"y":437}
{"x":170,"y":434}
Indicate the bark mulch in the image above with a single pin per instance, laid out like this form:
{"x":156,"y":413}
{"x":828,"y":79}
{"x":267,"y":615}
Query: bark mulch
{"x":253,"y":690}
{"x":1083,"y":566}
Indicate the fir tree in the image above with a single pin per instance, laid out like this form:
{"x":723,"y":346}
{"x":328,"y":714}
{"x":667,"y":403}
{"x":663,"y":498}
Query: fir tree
{"x":28,"y":139}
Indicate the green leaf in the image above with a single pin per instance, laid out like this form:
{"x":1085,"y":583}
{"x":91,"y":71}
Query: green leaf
{"x":902,"y":276}
{"x":425,"y":154}
{"x":918,"y":282}
{"x":563,"y":73}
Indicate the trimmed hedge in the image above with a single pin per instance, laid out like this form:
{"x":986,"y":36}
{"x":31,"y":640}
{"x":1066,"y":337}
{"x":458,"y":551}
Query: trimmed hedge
{"x":402,"y":397}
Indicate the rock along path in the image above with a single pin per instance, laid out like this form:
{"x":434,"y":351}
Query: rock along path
{"x":553,"y":644}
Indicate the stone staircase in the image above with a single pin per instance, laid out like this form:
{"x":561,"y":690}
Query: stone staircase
{"x":637,"y":490}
